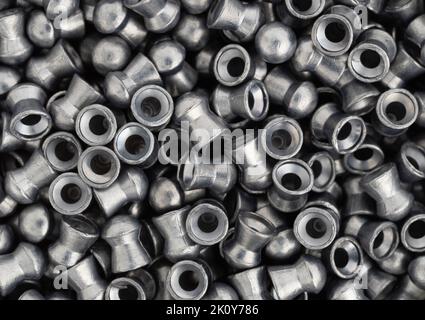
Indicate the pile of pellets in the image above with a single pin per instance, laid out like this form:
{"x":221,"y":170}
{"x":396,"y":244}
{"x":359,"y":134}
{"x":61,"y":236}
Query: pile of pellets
{"x":212,"y":149}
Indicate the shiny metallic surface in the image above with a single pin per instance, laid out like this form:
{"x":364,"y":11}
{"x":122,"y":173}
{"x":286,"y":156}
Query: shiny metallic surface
{"x":13,"y":160}
{"x":69,"y":195}
{"x":420,"y":97}
{"x":31,"y":294}
{"x":324,"y":170}
{"x":120,"y":86}
{"x":344,"y":132}
{"x":99,"y":167}
{"x":192,"y":32}
{"x":399,"y":75}
{"x":59,"y":62}
{"x":412,"y":233}
{"x":178,"y":245}
{"x":151,"y":237}
{"x":299,"y":15}
{"x":169,"y":58}
{"x":396,"y":111}
{"x":415,"y":271}
{"x":358,"y":201}
{"x":101,"y":252}
{"x":96,"y":125}
{"x":62,"y":150}
{"x":383,"y":185}
{"x":379,"y":284}
{"x":165,"y":195}
{"x":26,"y":262}
{"x":370,"y":60}
{"x":23,"y":184}
{"x":345,"y":257}
{"x":65,"y":107}
{"x":238,"y":20}
{"x":110,"y":54}
{"x":293,"y":179}
{"x":54,"y":8}
{"x":85,"y":47}
{"x":34,"y":223}
{"x":341,"y":21}
{"x":15,"y":48}
{"x":308,"y":58}
{"x":72,"y":27}
{"x":379,"y":239}
{"x":247,"y":101}
{"x":275,"y":42}
{"x":139,"y":286}
{"x":44,"y":33}
{"x":252,"y":233}
{"x":9,"y":78}
{"x":77,"y":235}
{"x":368,"y":157}
{"x":187,"y":279}
{"x":410,"y":160}
{"x":134,"y":144}
{"x":282,"y":137}
{"x":193,"y":108}
{"x":398,"y":262}
{"x":233,"y":65}
{"x":346,"y":290}
{"x":255,"y":173}
{"x":57,"y":295}
{"x":407,"y":290}
{"x":317,"y":225}
{"x":376,"y":6}
{"x":284,"y":246}
{"x":29,"y":119}
{"x":112,"y":17}
{"x":205,"y":58}
{"x":251,"y":284}
{"x":153,"y":107}
{"x":308,"y":274}
{"x":238,"y":200}
{"x":159,"y":269}
{"x":218,"y":178}
{"x":266,"y":210}
{"x":7,"y":238}
{"x":415,"y":35}
{"x":7,"y":204}
{"x":131,"y":185}
{"x":221,"y":291}
{"x":358,"y":97}
{"x":404,"y":10}
{"x":159,"y":16}
{"x":207,"y":223}
{"x":298,"y":98}
{"x":9,"y":142}
{"x":128,"y":253}
{"x":85,"y":280}
{"x":196,"y":6}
